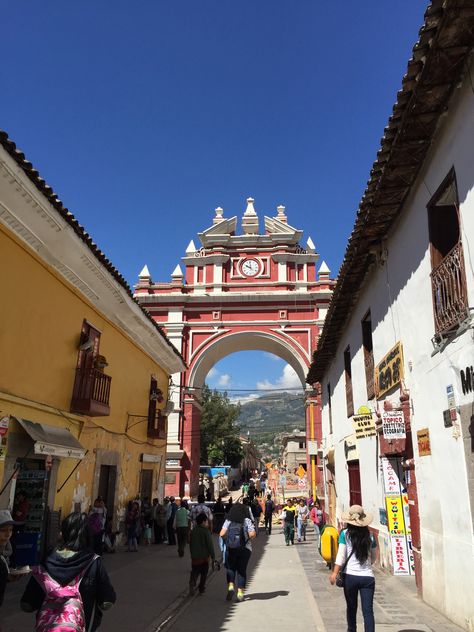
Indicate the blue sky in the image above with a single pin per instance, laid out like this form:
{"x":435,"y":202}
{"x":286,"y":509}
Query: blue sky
{"x":145,"y":116}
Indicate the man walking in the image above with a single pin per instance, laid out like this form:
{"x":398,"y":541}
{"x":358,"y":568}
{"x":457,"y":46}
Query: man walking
{"x":288,"y":514}
{"x":181,"y":525}
{"x":269,"y":509}
{"x":200,"y":508}
{"x":201,"y":548}
{"x":172,"y":509}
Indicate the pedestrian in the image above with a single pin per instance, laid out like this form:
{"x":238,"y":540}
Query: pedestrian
{"x":302,"y":515}
{"x":288,"y":516}
{"x":218,"y":512}
{"x":237,"y":532}
{"x":269,"y":509}
{"x":201,"y":548}
{"x":181,"y":525}
{"x":96,"y":522}
{"x":245,"y":489}
{"x":164,"y":514}
{"x":228,"y":507}
{"x":171,"y":511}
{"x":258,"y":488}
{"x":315,"y":517}
{"x":132,"y":521}
{"x":200,"y":508}
{"x":155,"y":512}
{"x":256,"y":513}
{"x":6,"y":530}
{"x":355,"y":556}
{"x":71,"y":589}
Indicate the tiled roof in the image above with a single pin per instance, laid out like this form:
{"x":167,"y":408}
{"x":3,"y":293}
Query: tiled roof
{"x":53,"y":199}
{"x":438,"y":62}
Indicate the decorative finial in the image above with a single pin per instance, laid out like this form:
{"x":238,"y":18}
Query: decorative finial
{"x":310,"y":247}
{"x":281,"y":214}
{"x":250,"y":219}
{"x":177,"y":273}
{"x":219,"y":215}
{"x":145,"y":273}
{"x":191,"y":249}
{"x":324,"y":271}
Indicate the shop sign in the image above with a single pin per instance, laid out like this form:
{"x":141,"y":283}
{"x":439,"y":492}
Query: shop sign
{"x":389,"y":371}
{"x":312,"y":447}
{"x":424,"y":446}
{"x":172,"y":462}
{"x":393,"y":424}
{"x":401,"y":563}
{"x":390,"y":478}
{"x":396,"y":522}
{"x":364,"y":425}
{"x":4,"y":423}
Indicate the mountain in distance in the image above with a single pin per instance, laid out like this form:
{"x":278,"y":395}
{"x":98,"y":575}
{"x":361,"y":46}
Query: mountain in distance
{"x":265,"y":418}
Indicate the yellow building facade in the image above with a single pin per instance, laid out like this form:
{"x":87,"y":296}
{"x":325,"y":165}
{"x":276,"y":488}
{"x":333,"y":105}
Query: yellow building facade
{"x":84,"y":372}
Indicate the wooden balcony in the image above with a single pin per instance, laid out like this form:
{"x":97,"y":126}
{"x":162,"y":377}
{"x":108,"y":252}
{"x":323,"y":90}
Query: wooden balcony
{"x":157,"y":426}
{"x":448,"y":283}
{"x":91,"y":393}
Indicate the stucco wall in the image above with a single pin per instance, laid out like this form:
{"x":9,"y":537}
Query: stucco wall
{"x":398,"y":293}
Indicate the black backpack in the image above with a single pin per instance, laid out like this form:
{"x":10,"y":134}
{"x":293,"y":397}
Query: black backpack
{"x":269,"y":507}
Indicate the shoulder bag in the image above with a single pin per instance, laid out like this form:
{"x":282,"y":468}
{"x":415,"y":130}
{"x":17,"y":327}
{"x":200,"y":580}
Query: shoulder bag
{"x":341,"y":576}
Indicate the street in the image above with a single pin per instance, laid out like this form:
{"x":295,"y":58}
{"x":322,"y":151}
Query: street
{"x":288,"y":588}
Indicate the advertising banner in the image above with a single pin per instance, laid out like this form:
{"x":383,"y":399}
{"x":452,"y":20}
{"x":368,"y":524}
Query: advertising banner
{"x":364,"y":425}
{"x":401,"y":562}
{"x":390,"y":478}
{"x":393,"y":424}
{"x":389,"y":371}
{"x":4,"y":423}
{"x":395,"y":515}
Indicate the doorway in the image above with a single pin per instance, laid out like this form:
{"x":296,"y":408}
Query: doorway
{"x":146,"y":483}
{"x":107,"y":480}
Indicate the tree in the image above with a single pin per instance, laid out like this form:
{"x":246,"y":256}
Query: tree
{"x":220,"y":444}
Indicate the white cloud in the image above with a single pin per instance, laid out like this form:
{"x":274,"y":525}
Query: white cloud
{"x":244,"y":399}
{"x":212,"y":373}
{"x":288,"y":379}
{"x":224,"y":379}
{"x":272,"y":357}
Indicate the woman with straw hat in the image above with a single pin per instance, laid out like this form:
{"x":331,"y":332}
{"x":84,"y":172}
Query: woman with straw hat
{"x":355,"y":556}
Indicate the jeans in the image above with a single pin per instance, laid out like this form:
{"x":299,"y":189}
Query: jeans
{"x":268,"y":523}
{"x":236,"y":564}
{"x":301,"y":529}
{"x":182,"y":534}
{"x":159,"y":532}
{"x":317,"y":534}
{"x":289,"y":531}
{"x":199,"y":570}
{"x":366,"y":586}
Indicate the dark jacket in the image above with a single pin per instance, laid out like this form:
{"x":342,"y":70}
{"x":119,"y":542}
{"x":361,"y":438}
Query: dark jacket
{"x":95,"y":587}
{"x":3,"y":577}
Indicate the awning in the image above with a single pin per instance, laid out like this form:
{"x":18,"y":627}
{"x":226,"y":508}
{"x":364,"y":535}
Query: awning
{"x":52,"y":440}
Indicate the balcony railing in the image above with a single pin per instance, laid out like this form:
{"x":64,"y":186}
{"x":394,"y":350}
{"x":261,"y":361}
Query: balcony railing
{"x":157,"y":426}
{"x":91,"y":393}
{"x":369,"y":373}
{"x":448,"y":283}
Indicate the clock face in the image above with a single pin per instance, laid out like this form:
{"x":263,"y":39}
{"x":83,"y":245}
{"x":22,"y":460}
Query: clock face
{"x":250,"y":267}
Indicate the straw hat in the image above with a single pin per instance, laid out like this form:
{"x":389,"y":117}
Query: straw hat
{"x":356,"y":515}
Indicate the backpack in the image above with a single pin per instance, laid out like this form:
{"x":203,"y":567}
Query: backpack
{"x":269,"y":507}
{"x":235,"y":536}
{"x":94,"y":522}
{"x":62,"y":609}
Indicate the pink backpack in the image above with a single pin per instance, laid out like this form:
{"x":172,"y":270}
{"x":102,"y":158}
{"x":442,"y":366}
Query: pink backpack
{"x":62,"y":609}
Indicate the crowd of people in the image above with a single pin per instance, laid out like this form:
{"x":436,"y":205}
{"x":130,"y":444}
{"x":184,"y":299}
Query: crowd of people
{"x":85,"y":537}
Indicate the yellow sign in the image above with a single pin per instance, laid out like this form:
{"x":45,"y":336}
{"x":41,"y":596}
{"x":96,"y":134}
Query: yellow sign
{"x":389,"y":371}
{"x":364,"y":425}
{"x":396,"y":522}
{"x":4,"y":423}
{"x":424,"y":446}
{"x":301,"y":471}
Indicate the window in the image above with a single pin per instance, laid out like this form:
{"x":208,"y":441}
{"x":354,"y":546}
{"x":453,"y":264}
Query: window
{"x":348,"y":376}
{"x":368,"y":354}
{"x":329,"y":407}
{"x":355,"y":495}
{"x":448,"y":277}
{"x":302,"y":445}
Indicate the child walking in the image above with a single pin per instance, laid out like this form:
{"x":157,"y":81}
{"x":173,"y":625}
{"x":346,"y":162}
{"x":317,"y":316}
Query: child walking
{"x":201,"y":547}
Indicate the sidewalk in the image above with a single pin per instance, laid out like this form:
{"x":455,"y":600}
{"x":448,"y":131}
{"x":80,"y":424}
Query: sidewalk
{"x":397,"y":607}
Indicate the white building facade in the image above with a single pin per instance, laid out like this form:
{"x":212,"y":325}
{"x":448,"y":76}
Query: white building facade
{"x":395,"y":359}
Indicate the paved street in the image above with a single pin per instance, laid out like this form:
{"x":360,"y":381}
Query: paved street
{"x":288,"y":587}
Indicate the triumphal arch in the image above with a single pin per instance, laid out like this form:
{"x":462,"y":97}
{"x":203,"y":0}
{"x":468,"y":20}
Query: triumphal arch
{"x":241,"y":289}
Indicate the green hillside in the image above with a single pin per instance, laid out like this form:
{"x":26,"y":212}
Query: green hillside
{"x":266,"y":417}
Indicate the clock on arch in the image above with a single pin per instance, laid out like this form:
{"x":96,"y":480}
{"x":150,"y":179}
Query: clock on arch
{"x":250,"y":267}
